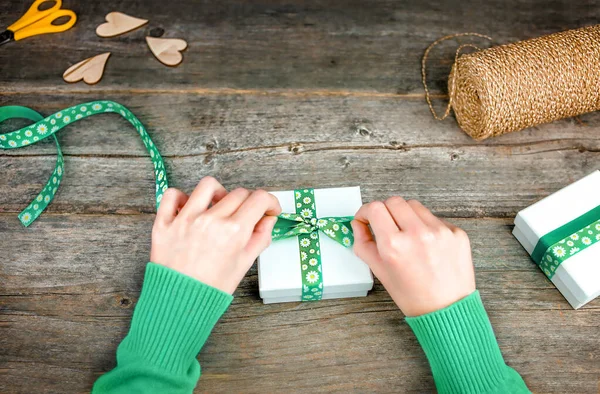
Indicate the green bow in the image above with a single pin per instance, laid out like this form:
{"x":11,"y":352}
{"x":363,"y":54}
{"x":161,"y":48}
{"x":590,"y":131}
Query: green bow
{"x":337,"y":228}
{"x":306,"y":226}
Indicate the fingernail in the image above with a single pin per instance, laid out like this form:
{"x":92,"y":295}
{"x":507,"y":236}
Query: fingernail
{"x":268,"y":223}
{"x":272,"y":221}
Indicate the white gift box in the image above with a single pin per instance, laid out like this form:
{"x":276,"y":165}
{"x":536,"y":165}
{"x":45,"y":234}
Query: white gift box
{"x":578,"y":277}
{"x":344,"y":274}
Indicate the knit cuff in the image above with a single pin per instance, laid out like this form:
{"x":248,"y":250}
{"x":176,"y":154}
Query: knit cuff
{"x":173,"y":318}
{"x":461,"y":347}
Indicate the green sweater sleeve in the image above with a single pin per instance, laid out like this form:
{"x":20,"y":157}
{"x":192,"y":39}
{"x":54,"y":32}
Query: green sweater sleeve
{"x":172,"y":319}
{"x":462,"y":350}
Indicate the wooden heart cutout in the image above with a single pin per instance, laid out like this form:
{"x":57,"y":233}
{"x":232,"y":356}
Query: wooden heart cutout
{"x":90,"y":70}
{"x":167,"y":50}
{"x":119,"y":23}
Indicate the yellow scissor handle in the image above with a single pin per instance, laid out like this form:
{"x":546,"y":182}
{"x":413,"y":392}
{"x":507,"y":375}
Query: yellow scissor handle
{"x":34,"y":14}
{"x":44,"y":25}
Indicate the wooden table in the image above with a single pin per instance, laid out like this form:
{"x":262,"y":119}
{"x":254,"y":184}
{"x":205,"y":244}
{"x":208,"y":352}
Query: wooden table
{"x":278,"y":95}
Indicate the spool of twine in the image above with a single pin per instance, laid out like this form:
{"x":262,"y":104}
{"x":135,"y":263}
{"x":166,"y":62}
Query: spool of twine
{"x":511,"y":87}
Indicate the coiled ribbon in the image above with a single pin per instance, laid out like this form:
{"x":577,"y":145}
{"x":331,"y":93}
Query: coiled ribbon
{"x":47,"y":127}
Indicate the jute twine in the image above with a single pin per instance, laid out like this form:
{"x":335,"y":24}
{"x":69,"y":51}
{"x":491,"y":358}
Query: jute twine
{"x":511,"y":87}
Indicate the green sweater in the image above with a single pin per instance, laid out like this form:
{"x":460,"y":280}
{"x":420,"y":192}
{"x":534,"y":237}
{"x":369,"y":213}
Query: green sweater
{"x":175,"y":315}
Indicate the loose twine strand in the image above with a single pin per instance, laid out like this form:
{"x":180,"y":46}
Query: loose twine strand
{"x":514,"y":86}
{"x":453,"y":80}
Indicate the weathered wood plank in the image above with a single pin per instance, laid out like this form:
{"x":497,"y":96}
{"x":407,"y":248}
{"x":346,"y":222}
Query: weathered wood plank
{"x":375,"y":350}
{"x":82,"y":252}
{"x":323,"y":45}
{"x":188,"y":124}
{"x":73,"y":298}
{"x":464,"y":182}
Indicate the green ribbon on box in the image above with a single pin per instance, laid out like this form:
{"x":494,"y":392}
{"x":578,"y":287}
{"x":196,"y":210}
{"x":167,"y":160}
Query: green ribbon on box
{"x":47,"y":127}
{"x":566,"y":241}
{"x":306,"y":226}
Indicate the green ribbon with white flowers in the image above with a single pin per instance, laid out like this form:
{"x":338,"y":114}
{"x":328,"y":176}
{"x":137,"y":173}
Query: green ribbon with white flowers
{"x":47,"y":127}
{"x":306,"y":226}
{"x":567,"y":241}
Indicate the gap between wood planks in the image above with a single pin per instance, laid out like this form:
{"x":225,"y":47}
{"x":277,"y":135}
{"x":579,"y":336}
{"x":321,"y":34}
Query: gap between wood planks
{"x":141,"y":213}
{"x":297,"y":148}
{"x":94,"y":317}
{"x":228,"y":91}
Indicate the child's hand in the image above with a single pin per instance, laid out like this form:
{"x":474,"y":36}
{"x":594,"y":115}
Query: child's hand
{"x":423,"y":262}
{"x":215,"y":244}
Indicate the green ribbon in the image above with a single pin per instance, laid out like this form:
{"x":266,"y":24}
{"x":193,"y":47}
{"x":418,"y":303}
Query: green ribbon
{"x":47,"y":127}
{"x":306,"y":226}
{"x":566,"y":241}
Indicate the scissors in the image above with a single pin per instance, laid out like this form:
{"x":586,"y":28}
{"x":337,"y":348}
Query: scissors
{"x":36,"y":22}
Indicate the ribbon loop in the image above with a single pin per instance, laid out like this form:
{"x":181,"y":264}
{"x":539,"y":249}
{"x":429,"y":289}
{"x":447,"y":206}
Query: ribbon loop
{"x":337,"y":228}
{"x":9,"y":140}
{"x":47,"y":127}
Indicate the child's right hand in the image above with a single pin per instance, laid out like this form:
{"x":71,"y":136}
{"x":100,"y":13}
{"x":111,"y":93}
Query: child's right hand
{"x":423,"y":262}
{"x":213,"y":236}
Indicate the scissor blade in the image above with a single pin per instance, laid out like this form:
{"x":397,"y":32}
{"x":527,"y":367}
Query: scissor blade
{"x":6,"y":36}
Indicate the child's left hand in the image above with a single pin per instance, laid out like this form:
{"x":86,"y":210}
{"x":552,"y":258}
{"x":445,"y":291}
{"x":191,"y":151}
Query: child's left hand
{"x":213,"y":236}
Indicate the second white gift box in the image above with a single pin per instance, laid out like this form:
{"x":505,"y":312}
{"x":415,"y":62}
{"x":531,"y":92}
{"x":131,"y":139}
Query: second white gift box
{"x":562,"y":235}
{"x":319,"y":262}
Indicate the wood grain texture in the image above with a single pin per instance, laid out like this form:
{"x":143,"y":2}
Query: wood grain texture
{"x":324,"y":45}
{"x":278,"y":94}
{"x":195,"y":124}
{"x":386,"y":146}
{"x":69,"y":313}
{"x":463,"y":182}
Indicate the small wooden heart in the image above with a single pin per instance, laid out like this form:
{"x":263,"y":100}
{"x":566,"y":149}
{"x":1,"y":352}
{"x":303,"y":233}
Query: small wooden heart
{"x":119,"y":23}
{"x":90,"y":70}
{"x":167,"y":50}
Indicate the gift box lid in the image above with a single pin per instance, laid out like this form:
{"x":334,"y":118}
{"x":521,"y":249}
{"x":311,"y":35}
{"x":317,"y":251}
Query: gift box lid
{"x":578,"y":277}
{"x":279,"y":267}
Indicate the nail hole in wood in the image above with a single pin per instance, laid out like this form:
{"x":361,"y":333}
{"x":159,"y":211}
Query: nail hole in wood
{"x":401,"y":146}
{"x":362,"y":130}
{"x":157,"y":32}
{"x":295,"y":148}
{"x":344,"y":162}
